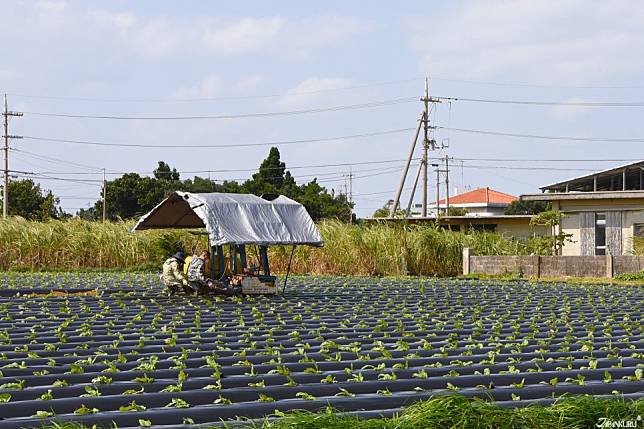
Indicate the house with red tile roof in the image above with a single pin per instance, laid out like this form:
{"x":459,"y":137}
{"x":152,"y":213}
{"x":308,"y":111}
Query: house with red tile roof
{"x":485,"y":210}
{"x":478,"y":202}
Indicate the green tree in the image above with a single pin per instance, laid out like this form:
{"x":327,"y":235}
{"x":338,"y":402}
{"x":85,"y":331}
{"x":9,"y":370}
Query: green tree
{"x":203,"y":185}
{"x":321,"y":204}
{"x":28,"y":200}
{"x":552,"y":219}
{"x":132,"y":195}
{"x":456,"y":211}
{"x":519,"y":207}
{"x":273,"y":179}
{"x":385,"y":211}
{"x":164,"y":172}
{"x":271,"y":176}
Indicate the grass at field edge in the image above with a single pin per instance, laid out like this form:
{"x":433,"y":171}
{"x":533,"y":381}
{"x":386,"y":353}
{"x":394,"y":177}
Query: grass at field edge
{"x":456,"y":411}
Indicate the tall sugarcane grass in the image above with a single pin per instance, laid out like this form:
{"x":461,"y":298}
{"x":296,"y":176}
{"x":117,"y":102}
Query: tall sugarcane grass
{"x":76,"y":244}
{"x":372,"y":249}
{"x":394,"y":249}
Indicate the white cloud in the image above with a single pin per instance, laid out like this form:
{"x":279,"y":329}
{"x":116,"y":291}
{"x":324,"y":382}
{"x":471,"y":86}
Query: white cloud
{"x":121,"y":21}
{"x":302,"y":37}
{"x":563,"y":42}
{"x":207,"y":88}
{"x":565,"y":113}
{"x":51,"y":6}
{"x":164,"y":36}
{"x":312,"y":89}
{"x":245,"y":35}
{"x":249,"y":82}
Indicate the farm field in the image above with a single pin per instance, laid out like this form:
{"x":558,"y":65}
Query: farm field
{"x":131,"y":355}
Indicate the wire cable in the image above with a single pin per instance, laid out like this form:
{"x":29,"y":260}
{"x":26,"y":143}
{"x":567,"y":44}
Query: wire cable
{"x":55,"y":160}
{"x":33,"y":175}
{"x":370,"y":105}
{"x":546,"y":137}
{"x":533,"y":85}
{"x":224,"y":98}
{"x":548,"y":103}
{"x":236,"y":145}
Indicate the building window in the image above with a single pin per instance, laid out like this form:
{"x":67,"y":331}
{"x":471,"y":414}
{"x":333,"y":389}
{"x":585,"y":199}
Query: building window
{"x":638,"y":230}
{"x":450,"y":227}
{"x":489,"y":227}
{"x":600,"y":233}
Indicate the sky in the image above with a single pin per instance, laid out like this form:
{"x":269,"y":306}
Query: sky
{"x":165,"y":59}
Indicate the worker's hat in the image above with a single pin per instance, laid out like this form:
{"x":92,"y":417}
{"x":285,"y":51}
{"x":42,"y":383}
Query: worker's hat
{"x":180,"y":256}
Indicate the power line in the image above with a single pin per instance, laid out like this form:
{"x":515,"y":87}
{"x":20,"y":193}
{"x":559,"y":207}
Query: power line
{"x":35,"y":175}
{"x":318,"y":91}
{"x":56,"y":160}
{"x":272,"y":143}
{"x":546,"y":137}
{"x":373,"y":104}
{"x":225,"y":98}
{"x":342,"y":164}
{"x":503,"y":167}
{"x":549,"y":103}
{"x":546,"y":160}
{"x":534,"y":85}
{"x":381,"y":192}
{"x":381,"y":173}
{"x":324,"y":177}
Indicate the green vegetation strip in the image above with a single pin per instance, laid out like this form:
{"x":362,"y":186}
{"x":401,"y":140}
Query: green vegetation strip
{"x":458,"y":412}
{"x":366,"y":249}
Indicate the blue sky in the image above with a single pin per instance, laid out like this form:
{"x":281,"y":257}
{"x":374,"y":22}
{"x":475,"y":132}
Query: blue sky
{"x":166,"y":58}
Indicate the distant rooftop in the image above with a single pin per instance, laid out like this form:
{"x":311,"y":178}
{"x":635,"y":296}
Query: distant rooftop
{"x":481,"y":196}
{"x":627,"y":177}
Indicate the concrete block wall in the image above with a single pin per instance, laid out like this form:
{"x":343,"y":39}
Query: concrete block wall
{"x":552,"y":266}
{"x":525,"y":265}
{"x":628,"y":264}
{"x":573,"y":266}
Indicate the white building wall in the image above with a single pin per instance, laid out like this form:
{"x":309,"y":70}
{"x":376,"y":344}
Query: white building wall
{"x":632,"y":213}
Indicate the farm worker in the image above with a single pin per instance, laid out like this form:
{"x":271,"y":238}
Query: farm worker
{"x":197,"y":272}
{"x":172,"y":275}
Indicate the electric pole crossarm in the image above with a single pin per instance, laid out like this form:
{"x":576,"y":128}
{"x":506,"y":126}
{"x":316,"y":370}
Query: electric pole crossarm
{"x":401,"y":185}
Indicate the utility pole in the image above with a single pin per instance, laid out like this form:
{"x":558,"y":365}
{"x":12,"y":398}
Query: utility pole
{"x":427,"y":142}
{"x":413,"y":191}
{"x":424,"y":161}
{"x":438,"y":191}
{"x":5,"y":189}
{"x":351,"y":195}
{"x":438,"y":187}
{"x":427,"y":145}
{"x":401,"y":185}
{"x":447,"y":185}
{"x":104,"y":197}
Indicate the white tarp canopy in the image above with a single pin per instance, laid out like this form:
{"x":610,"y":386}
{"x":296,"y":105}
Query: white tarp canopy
{"x":235,"y":218}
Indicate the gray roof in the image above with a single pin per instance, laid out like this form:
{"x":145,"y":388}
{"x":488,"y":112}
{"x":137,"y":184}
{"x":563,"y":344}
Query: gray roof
{"x":586,"y":182}
{"x":601,"y":195}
